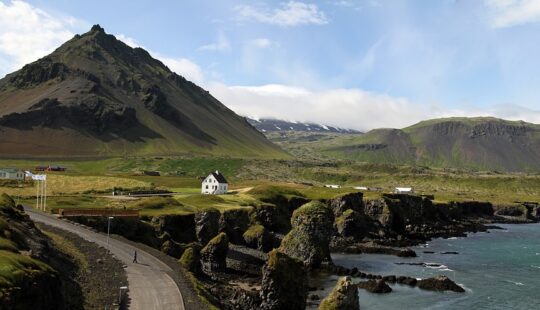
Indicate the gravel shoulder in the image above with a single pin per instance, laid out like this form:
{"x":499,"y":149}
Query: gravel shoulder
{"x":98,"y":274}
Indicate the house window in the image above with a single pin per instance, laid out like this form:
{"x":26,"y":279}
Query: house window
{"x":206,"y":186}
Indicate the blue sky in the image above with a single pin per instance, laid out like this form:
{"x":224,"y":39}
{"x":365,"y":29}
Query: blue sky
{"x":359,"y":64}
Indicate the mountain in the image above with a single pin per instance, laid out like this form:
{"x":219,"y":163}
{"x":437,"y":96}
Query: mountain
{"x":478,"y":143}
{"x":266,"y":125}
{"x":96,"y":96}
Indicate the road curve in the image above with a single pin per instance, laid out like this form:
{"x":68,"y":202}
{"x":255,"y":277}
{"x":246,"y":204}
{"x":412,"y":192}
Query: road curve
{"x":150,"y":287}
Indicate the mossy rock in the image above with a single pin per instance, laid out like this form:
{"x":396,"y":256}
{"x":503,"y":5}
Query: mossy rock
{"x":207,"y":224}
{"x":344,"y":296}
{"x":214,"y":254}
{"x":284,"y":283}
{"x":309,"y":238}
{"x":258,"y":237}
{"x":191,"y":259}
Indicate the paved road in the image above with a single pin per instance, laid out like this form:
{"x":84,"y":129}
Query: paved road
{"x":150,"y":287}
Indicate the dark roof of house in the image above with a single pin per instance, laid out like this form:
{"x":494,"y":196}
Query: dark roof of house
{"x":219,"y":177}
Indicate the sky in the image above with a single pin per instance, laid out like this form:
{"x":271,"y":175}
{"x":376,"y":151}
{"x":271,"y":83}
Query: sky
{"x":355,"y":64}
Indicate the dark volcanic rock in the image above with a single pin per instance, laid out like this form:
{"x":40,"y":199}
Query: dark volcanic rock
{"x":375,"y":286}
{"x":309,"y":238}
{"x":406,"y":253}
{"x":172,"y":248}
{"x":258,"y":237}
{"x":284,"y":283}
{"x":440,"y":283}
{"x":344,"y":296}
{"x":342,"y":203}
{"x":275,"y":218}
{"x":214,"y":254}
{"x":406,"y":280}
{"x":234,"y":223}
{"x":206,"y":225}
{"x":181,"y":228}
{"x":191,"y":259}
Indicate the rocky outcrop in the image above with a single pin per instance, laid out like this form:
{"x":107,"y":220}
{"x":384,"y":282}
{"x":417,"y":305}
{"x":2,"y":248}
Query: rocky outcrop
{"x":275,"y":218}
{"x":342,"y":203}
{"x":172,"y":248}
{"x":191,"y":259}
{"x":214,"y":254}
{"x":258,"y":237}
{"x":180,"y":227}
{"x":309,"y":239}
{"x":284,"y":283}
{"x":344,"y":296}
{"x":440,"y":283}
{"x":206,"y":225}
{"x":375,"y":286}
{"x":234,"y":223}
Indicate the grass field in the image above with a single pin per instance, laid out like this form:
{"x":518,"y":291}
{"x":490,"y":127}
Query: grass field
{"x":86,"y":182}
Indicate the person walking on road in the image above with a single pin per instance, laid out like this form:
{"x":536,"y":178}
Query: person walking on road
{"x":135,"y":256}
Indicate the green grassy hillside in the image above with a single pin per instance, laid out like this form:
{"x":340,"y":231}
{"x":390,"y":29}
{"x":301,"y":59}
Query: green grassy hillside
{"x":477,"y":143}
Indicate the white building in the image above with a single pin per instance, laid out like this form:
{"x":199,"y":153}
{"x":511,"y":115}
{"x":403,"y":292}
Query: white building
{"x":403,"y":190}
{"x":332,"y":186}
{"x":11,"y":174}
{"x":361,"y":188}
{"x":215,"y":184}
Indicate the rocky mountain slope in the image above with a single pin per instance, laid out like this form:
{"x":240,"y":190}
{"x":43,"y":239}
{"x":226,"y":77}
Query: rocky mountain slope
{"x":96,"y":96}
{"x":479,"y":143}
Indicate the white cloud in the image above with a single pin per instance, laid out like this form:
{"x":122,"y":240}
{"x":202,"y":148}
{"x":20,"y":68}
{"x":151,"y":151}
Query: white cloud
{"x":128,"y":40}
{"x":28,"y":33}
{"x":350,"y":108}
{"x":262,"y":42}
{"x":292,"y":13}
{"x":185,"y":68}
{"x":222,"y":44}
{"x":347,"y":108}
{"x":508,"y":13}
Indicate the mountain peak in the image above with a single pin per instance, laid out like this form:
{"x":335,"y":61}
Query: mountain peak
{"x":97,"y":28}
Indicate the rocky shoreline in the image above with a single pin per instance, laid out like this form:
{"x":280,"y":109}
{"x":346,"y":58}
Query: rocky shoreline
{"x":235,"y":256}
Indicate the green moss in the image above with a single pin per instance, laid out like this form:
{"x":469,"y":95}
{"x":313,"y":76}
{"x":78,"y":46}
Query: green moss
{"x":219,"y":241}
{"x":15,"y":268}
{"x":191,"y":260}
{"x":254,"y":231}
{"x":313,"y":209}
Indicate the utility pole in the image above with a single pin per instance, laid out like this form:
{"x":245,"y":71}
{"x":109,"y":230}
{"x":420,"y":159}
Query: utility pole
{"x":108,"y":229}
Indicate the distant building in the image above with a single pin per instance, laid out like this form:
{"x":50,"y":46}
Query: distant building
{"x":11,"y":174}
{"x":332,"y":186}
{"x":50,"y":168}
{"x":361,"y":188}
{"x":215,"y":184}
{"x":403,"y":190}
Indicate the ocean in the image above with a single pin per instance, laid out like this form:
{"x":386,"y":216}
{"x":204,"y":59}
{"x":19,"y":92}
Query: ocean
{"x":499,"y":269}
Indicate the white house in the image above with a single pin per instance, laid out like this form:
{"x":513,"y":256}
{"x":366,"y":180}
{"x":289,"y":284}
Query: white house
{"x":11,"y":174}
{"x":215,"y":184}
{"x":403,"y":190}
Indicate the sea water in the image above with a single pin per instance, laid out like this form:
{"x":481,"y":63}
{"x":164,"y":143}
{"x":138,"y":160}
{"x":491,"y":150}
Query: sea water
{"x":499,"y":269}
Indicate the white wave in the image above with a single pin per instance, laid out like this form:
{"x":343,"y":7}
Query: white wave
{"x":516,"y":283}
{"x":453,"y":238}
{"x":538,"y":267}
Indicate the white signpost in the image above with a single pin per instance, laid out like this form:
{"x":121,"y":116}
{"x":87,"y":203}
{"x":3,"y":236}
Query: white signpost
{"x":41,"y":192}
